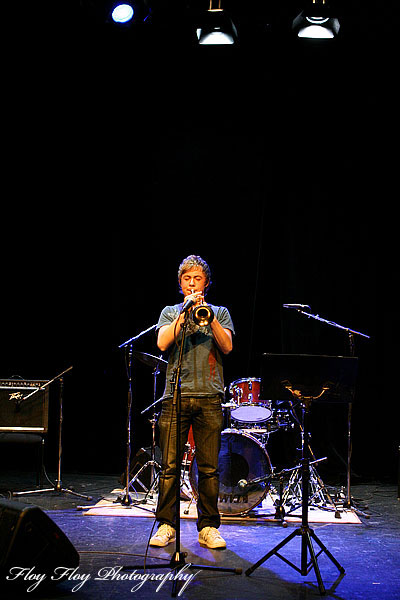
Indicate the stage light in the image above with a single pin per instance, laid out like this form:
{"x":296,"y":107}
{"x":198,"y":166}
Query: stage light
{"x":122,"y":13}
{"x":216,"y":28}
{"x":316,"y":22}
{"x":216,"y":37}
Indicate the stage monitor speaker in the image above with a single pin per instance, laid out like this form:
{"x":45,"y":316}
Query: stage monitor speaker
{"x":30,"y":540}
{"x":24,"y":407}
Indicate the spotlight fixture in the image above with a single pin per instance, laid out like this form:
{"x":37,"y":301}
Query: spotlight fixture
{"x":122,"y":13}
{"x":216,"y":27}
{"x":316,"y":22}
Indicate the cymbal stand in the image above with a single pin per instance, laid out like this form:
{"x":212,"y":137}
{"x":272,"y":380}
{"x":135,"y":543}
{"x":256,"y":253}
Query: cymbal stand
{"x":155,"y":467}
{"x":126,"y":500}
{"x":58,"y":484}
{"x":178,"y":561}
{"x":304,"y":531}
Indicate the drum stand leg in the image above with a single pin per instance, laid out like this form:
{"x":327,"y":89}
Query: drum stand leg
{"x":155,"y":469}
{"x":187,"y":509}
{"x":279,"y":506}
{"x":319,"y":494}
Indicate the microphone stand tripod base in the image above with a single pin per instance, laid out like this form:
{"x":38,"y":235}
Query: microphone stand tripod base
{"x":56,"y":489}
{"x":306,"y":533}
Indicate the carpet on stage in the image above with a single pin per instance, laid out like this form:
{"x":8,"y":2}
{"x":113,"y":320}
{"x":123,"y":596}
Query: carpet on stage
{"x":112,"y":506}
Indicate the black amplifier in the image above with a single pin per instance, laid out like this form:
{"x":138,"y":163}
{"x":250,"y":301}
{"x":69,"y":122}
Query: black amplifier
{"x":24,"y":406}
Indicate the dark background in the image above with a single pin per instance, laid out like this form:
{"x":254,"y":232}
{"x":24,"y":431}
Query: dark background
{"x":125,"y":152}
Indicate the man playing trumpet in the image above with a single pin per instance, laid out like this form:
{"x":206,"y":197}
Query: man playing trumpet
{"x":208,"y":336}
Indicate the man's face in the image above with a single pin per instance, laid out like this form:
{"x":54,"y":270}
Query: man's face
{"x":193,"y":281}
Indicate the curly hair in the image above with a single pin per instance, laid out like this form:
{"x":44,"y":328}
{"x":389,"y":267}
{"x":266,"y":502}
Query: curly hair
{"x":192,"y":261}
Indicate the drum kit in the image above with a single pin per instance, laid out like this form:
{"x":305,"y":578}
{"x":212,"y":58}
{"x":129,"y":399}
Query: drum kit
{"x":249,"y":421}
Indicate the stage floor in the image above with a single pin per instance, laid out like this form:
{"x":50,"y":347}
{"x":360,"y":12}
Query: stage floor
{"x":368,"y":551}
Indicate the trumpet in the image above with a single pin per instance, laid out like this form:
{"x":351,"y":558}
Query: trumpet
{"x":202,"y":314}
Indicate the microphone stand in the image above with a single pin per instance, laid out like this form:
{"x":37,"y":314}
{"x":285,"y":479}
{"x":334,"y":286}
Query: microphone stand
{"x":178,"y":562}
{"x":350,"y":332}
{"x":58,"y":484}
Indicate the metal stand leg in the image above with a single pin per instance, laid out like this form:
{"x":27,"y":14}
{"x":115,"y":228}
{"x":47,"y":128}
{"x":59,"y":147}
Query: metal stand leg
{"x":306,"y":533}
{"x":58,"y":485}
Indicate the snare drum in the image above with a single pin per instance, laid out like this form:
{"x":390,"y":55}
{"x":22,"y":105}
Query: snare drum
{"x":249,"y":408}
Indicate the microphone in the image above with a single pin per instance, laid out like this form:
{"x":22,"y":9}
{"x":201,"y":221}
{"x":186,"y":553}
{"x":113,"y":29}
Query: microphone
{"x":296,"y":306}
{"x":188,"y":304}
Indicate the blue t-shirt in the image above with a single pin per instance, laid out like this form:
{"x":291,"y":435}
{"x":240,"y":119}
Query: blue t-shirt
{"x":202,"y":372}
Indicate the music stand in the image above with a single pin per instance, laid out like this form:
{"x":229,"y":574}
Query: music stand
{"x":309,"y":379}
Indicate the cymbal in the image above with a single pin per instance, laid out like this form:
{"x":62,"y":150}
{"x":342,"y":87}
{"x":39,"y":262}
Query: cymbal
{"x":150,"y":360}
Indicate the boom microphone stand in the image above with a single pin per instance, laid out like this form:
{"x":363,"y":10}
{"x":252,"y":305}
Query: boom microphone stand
{"x":178,"y":561}
{"x":58,"y":484}
{"x":350,"y":332}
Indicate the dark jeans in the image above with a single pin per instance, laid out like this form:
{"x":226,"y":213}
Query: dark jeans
{"x":205,"y":416}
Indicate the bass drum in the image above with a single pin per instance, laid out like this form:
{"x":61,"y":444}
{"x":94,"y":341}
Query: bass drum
{"x":241,"y":457}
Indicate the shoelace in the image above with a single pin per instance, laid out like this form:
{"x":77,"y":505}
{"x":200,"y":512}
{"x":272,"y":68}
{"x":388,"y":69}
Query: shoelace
{"x":211,"y":533}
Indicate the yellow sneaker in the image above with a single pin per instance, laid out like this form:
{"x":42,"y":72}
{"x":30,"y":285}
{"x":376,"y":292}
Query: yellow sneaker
{"x":211,"y":538}
{"x":164,"y":536}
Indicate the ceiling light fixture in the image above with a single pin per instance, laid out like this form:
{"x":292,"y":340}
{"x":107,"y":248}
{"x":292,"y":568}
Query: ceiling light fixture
{"x":216,"y":27}
{"x":316,"y":22}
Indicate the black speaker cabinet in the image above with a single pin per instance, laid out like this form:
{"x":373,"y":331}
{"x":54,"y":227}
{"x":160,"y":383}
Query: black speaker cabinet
{"x":29,"y":539}
{"x":24,"y":406}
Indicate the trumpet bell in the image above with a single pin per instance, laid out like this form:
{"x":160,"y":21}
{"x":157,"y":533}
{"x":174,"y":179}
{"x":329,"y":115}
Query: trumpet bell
{"x":202,"y":315}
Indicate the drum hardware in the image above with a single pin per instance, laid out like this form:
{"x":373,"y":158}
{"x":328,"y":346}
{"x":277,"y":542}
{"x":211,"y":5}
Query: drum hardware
{"x":154,"y":466}
{"x":318,"y":489}
{"x":318,"y":495}
{"x":159,"y":365}
{"x":280,"y":512}
{"x":227,"y":412}
{"x":126,"y":500}
{"x":186,"y":490}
